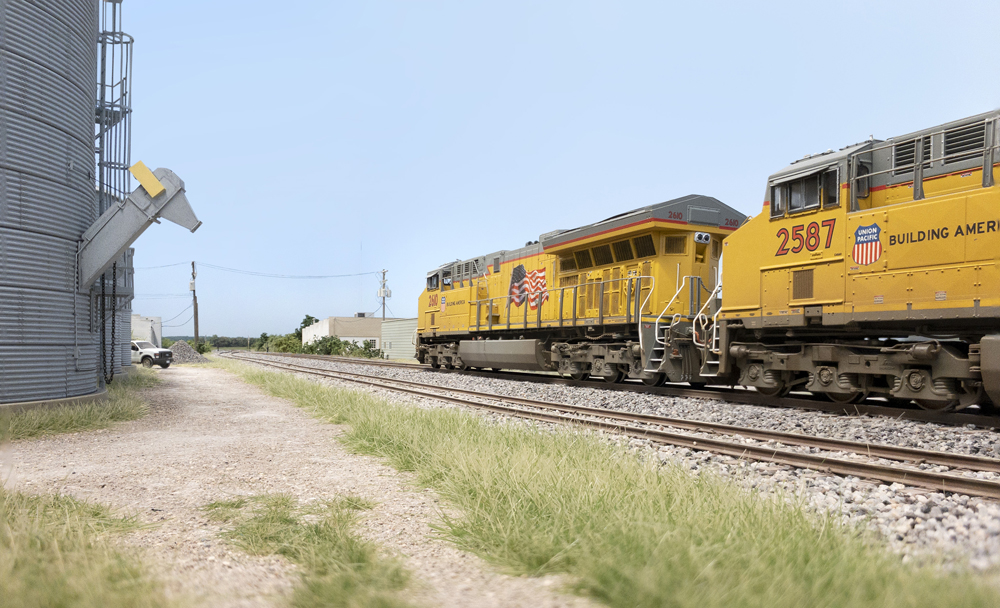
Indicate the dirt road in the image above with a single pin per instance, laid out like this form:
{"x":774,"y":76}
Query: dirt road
{"x":210,"y":437}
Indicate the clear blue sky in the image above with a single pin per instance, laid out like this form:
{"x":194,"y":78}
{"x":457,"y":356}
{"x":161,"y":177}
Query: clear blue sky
{"x":345,"y":137}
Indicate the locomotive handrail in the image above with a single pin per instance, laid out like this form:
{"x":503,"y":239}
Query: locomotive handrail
{"x":701,"y":319}
{"x":656,"y":326}
{"x":636,"y":280}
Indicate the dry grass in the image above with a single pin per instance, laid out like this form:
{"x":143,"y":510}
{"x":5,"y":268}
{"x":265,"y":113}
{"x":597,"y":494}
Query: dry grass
{"x":632,"y":533}
{"x":55,"y":551}
{"x":123,"y":403}
{"x":338,"y":567}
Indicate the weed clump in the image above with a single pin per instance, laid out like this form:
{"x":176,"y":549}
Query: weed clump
{"x":54,"y":551}
{"x":338,"y":567}
{"x":123,"y":403}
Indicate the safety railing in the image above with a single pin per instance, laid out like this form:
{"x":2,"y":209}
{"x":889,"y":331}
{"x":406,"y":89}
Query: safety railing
{"x":695,"y":286}
{"x":631,"y":288}
{"x":991,"y":144}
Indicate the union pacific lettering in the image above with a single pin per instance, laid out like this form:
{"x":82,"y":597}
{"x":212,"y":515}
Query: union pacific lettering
{"x":934,"y":234}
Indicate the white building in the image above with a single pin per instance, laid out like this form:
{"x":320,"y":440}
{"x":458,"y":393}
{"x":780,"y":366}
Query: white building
{"x":350,"y":329}
{"x":148,"y":329}
{"x":399,"y":338}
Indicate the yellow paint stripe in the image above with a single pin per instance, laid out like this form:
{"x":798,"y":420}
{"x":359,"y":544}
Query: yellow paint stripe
{"x":147,"y":180}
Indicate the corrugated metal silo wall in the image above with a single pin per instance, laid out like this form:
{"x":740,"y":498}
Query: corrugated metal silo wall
{"x":48,"y":75}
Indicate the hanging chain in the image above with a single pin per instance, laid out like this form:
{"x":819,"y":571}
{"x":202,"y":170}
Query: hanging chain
{"x":109,"y":374}
{"x":109,"y":371}
{"x":104,"y":342}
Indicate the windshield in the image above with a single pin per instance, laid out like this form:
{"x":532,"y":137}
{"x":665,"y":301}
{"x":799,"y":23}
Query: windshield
{"x":144,"y":345}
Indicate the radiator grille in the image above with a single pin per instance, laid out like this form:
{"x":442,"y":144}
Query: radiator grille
{"x":802,"y":284}
{"x":583,"y":259}
{"x":675,"y":244}
{"x":964,"y":142}
{"x":602,"y":255}
{"x":567,"y":264}
{"x":623,"y":251}
{"x":644,"y":247}
{"x":904,"y":155}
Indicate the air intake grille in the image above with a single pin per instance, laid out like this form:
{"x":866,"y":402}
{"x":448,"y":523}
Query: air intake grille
{"x":583,"y":259}
{"x":675,"y":244}
{"x":802,"y":284}
{"x":623,"y":251}
{"x":964,"y":142}
{"x":904,"y":155}
{"x":567,"y":264}
{"x":602,"y":255}
{"x":644,"y":247}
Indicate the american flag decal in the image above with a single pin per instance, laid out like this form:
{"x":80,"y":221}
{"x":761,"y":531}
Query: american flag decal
{"x":528,"y":285}
{"x":867,"y":246}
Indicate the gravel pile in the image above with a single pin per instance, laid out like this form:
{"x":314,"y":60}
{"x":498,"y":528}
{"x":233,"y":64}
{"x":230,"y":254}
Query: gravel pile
{"x":917,"y":523}
{"x":183,"y":353}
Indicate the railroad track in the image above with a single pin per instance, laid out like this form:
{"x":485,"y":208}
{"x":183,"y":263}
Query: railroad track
{"x":652,"y":429}
{"x":731,"y":395}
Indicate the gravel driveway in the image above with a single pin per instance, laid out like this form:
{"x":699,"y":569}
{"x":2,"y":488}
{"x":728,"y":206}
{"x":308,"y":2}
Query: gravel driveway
{"x":209,"y":437}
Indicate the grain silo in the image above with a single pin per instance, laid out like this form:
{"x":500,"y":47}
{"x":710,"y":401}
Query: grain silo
{"x":58,"y":236}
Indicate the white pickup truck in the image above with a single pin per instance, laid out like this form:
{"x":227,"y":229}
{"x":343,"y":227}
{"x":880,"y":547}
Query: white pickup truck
{"x":148,"y":355}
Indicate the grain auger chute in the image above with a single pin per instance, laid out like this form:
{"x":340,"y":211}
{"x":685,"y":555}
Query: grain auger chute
{"x":159,"y":195}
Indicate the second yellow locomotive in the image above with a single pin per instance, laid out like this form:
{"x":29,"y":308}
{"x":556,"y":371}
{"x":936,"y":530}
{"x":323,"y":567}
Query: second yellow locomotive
{"x":588,"y":301}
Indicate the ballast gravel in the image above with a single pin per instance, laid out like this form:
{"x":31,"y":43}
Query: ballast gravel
{"x":183,"y":353}
{"x":952,"y":530}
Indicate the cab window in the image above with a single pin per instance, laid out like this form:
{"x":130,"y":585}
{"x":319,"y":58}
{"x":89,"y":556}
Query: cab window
{"x":831,"y":189}
{"x":432,"y":282}
{"x":446,"y":279}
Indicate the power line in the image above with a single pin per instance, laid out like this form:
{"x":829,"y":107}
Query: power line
{"x":178,"y":314}
{"x":182,"y":324}
{"x":269,"y":275}
{"x":155,"y":267}
{"x":284,"y":276}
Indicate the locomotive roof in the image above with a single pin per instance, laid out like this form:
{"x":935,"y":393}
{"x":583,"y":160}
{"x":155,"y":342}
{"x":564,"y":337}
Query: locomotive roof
{"x":692,"y":209}
{"x":695,"y":209}
{"x":815,"y":163}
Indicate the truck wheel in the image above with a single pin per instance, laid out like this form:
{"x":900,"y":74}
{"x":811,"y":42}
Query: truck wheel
{"x":147,"y":362}
{"x":164,"y":365}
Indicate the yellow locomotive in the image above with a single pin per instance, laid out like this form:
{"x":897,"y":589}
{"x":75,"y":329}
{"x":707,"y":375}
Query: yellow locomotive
{"x":574,"y":300}
{"x":873,"y":270}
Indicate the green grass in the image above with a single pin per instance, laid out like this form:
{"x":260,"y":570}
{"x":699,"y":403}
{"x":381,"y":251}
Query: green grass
{"x":123,"y":403}
{"x":338,"y":567}
{"x":629,"y":532}
{"x":54,"y":551}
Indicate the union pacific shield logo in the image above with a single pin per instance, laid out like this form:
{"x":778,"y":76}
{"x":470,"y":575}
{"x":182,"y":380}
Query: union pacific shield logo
{"x":867,"y":246}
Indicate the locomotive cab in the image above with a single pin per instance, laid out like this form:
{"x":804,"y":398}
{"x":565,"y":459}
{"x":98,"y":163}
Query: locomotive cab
{"x":872,"y":270}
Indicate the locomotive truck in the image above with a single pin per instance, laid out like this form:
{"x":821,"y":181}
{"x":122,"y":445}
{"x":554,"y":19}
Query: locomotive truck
{"x":872,"y":271}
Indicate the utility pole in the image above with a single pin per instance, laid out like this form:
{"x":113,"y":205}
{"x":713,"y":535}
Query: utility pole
{"x":194,"y":295}
{"x":383,"y":293}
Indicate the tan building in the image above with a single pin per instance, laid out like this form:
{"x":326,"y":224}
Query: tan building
{"x":350,"y":329}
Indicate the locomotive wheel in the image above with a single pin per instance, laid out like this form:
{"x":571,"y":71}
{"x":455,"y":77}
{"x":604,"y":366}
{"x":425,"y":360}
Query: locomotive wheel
{"x":435,"y":364}
{"x":449,"y":365}
{"x":655,"y":380}
{"x":614,"y":379}
{"x":697,"y":385}
{"x":777,"y":391}
{"x":579,"y":376}
{"x":855,"y":397}
{"x":936,"y":406}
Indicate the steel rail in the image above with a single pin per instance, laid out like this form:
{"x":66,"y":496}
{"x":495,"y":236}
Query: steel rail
{"x":744,"y":397}
{"x":944,"y":482}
